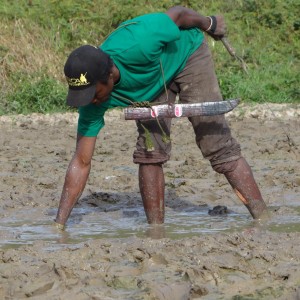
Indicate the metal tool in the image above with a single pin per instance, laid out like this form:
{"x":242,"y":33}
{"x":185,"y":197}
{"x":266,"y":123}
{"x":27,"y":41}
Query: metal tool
{"x":186,"y":110}
{"x":180,"y":110}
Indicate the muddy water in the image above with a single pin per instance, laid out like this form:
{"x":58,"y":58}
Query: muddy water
{"x":18,"y":228}
{"x":109,"y":252}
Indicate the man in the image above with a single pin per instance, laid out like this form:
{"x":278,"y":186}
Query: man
{"x":153,"y":57}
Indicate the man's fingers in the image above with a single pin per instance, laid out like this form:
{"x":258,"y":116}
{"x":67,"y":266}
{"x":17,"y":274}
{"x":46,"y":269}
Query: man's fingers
{"x":221,"y":26}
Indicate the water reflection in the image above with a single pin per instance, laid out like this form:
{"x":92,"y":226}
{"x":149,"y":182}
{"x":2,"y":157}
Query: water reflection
{"x":29,"y":225}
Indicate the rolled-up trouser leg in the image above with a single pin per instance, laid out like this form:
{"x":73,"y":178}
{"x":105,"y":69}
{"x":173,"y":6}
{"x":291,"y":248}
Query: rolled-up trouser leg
{"x":198,"y":83}
{"x":150,"y":160}
{"x":158,"y":133}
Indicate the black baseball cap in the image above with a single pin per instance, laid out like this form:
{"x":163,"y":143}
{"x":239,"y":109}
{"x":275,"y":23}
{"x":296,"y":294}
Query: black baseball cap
{"x":83,"y":69}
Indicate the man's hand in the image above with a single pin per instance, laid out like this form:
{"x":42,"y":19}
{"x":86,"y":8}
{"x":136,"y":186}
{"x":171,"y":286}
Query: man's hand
{"x":187,"y":18}
{"x":217,"y":28}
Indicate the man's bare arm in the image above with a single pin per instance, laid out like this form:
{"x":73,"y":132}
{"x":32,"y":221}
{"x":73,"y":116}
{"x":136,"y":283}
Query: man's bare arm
{"x":76,"y":177}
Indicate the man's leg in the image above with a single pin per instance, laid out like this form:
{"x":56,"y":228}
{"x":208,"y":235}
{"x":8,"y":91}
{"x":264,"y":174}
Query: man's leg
{"x":198,"y":82}
{"x":151,"y":176}
{"x":243,"y":183}
{"x":152,"y":188}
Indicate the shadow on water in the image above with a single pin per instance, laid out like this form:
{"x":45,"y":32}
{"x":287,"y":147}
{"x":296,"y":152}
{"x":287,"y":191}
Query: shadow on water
{"x":115,"y":215}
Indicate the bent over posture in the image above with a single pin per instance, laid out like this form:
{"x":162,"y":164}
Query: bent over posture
{"x":153,"y":57}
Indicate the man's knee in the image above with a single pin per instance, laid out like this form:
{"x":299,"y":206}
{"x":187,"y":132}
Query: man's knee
{"x":142,"y":156}
{"x":226,"y":167}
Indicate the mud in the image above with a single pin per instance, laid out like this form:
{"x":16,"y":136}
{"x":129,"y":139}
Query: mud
{"x":108,"y":251}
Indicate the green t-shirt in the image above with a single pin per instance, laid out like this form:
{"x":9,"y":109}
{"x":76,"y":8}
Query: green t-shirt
{"x":147,"y":50}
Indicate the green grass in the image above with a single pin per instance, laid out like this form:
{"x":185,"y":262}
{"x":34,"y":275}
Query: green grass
{"x":42,"y":94}
{"x":37,"y":35}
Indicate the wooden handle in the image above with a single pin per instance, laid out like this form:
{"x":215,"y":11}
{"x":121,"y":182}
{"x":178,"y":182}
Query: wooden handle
{"x":228,"y":47}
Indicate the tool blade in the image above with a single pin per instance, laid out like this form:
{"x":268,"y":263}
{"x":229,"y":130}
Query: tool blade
{"x":180,"y":110}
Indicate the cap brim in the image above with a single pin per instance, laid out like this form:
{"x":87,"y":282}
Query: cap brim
{"x":76,"y":98}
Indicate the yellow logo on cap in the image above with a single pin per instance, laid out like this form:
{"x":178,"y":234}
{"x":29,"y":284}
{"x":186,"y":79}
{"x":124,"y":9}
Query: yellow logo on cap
{"x":78,"y":81}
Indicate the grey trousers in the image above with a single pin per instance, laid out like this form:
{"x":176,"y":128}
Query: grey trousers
{"x":197,"y":82}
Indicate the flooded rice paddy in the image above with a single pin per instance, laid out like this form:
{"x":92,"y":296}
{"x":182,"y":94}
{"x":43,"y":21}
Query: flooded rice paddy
{"x":108,"y":251}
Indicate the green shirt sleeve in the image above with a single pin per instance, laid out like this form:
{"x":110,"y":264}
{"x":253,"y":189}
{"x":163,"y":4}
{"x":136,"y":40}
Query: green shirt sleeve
{"x":91,"y":120}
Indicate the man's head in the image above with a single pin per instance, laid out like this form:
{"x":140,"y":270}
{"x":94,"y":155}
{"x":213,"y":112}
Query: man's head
{"x":86,"y":69}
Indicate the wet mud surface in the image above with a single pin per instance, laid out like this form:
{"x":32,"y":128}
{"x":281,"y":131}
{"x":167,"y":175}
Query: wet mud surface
{"x":208,"y":248}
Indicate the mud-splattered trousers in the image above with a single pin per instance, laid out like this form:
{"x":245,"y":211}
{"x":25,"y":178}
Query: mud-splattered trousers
{"x":197,"y":82}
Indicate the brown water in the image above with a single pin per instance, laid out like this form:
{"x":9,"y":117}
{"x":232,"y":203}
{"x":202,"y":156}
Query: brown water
{"x":27,"y":225}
